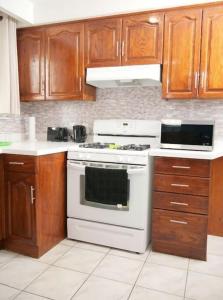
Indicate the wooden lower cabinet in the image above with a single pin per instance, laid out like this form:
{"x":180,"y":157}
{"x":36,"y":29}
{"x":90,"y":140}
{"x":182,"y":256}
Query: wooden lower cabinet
{"x":180,"y":206}
{"x":179,"y":233}
{"x":35,"y":208}
{"x":1,"y":201}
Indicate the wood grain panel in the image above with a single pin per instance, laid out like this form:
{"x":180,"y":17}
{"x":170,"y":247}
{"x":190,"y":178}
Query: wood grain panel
{"x":181,"y":184}
{"x":181,"y":54}
{"x":64,"y":61}
{"x":182,"y":166}
{"x":180,"y":202}
{"x":215,"y":220}
{"x":142,"y":39}
{"x":31,"y":50}
{"x":211,"y":83}
{"x":2,"y":210}
{"x":178,"y":233}
{"x":103,"y":42}
{"x":20,"y":163}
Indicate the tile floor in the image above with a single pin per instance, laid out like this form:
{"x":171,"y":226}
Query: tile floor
{"x":80,"y":271}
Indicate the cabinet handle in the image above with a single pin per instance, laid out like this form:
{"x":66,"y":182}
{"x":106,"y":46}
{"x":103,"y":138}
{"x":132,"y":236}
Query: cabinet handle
{"x":179,"y":203}
{"x":80,"y":82}
{"x":16,"y":163}
{"x":32,"y":189}
{"x":117,"y":48}
{"x":203,"y":75}
{"x":123,"y":48}
{"x":196,"y":80}
{"x":153,"y":20}
{"x":178,"y":222}
{"x":181,"y":167}
{"x":179,"y":185}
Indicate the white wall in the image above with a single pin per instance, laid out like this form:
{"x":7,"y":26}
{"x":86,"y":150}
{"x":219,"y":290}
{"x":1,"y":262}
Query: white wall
{"x":21,"y":10}
{"x":49,"y":11}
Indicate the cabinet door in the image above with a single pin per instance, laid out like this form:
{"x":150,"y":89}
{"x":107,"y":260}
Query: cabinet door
{"x":64,"y":61}
{"x":103,"y":42}
{"x":142,"y":39}
{"x":31,"y":64}
{"x":20,"y":209}
{"x":1,"y":201}
{"x":211,"y":82}
{"x":181,"y":54}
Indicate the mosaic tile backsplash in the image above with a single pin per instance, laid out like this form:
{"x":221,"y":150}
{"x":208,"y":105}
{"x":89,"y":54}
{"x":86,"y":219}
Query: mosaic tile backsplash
{"x":131,"y":103}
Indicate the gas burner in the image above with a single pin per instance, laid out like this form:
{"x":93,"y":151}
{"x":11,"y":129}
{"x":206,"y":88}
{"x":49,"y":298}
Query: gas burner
{"x":111,"y":146}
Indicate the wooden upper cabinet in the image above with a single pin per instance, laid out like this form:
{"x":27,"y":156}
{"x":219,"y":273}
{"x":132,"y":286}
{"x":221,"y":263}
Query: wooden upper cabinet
{"x":103,"y":42}
{"x":211,"y":76}
{"x":64,"y":61}
{"x":20,"y":207}
{"x":31,"y":64}
{"x":142,"y":39}
{"x":182,"y":53}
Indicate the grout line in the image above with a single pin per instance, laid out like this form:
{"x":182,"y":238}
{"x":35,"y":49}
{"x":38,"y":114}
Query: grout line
{"x":89,"y":275}
{"x":139,"y":275}
{"x":185,"y":288}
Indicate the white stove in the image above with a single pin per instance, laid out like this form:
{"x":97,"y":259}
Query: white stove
{"x":109,"y":185}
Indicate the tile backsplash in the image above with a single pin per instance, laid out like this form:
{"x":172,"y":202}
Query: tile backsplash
{"x":132,"y":103}
{"x":13,"y":127}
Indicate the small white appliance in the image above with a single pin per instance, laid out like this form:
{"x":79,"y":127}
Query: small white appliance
{"x":116,"y":209}
{"x":124,"y":76}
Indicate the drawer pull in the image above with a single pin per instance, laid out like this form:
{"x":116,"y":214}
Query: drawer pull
{"x":16,"y":163}
{"x":181,"y":167}
{"x":179,"y":203}
{"x":178,"y":222}
{"x":32,"y":189}
{"x":179,"y":185}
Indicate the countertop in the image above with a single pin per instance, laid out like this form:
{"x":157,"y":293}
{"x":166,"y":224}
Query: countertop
{"x":43,"y":148}
{"x":210,"y":155}
{"x":36,"y":148}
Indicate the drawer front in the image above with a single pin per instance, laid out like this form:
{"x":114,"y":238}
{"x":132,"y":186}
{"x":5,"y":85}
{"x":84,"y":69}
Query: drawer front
{"x":180,"y":232}
{"x":180,"y":202}
{"x":181,"y":184}
{"x":182,"y":166}
{"x":20,"y":163}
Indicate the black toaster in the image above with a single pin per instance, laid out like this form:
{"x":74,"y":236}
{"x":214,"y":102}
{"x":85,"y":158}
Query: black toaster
{"x":57,"y":134}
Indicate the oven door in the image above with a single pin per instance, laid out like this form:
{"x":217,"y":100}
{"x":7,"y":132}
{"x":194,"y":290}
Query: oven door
{"x":134,"y":214}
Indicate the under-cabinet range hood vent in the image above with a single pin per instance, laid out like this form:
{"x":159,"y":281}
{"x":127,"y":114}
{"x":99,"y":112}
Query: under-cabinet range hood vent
{"x":126,"y":76}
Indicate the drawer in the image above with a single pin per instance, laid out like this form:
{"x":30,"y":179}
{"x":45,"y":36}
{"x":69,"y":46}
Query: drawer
{"x":179,"y":233}
{"x":180,"y":202}
{"x":20,"y":163}
{"x":182,"y":166}
{"x":181,"y":184}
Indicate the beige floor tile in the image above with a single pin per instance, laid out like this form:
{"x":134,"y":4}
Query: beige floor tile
{"x":6,"y":256}
{"x":57,"y":283}
{"x":131,"y":255}
{"x":204,"y":287}
{"x":69,"y":242}
{"x":96,"y":288}
{"x":21,"y":271}
{"x":213,"y":265}
{"x":119,"y":268}
{"x":7,"y":293}
{"x":55,"y":253}
{"x":168,"y":260}
{"x":80,"y":260}
{"x":93,"y":247}
{"x":215,"y":245}
{"x":28,"y":296}
{"x":140,"y":293}
{"x":163,"y":278}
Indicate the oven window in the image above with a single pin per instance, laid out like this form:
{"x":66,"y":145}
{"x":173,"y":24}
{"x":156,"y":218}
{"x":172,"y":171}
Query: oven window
{"x":106,"y":187}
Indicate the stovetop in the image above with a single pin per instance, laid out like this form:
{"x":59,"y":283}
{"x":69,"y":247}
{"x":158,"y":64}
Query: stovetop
{"x":112,"y":146}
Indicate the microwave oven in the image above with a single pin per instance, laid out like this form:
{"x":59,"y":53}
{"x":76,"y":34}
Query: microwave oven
{"x":187,"y":135}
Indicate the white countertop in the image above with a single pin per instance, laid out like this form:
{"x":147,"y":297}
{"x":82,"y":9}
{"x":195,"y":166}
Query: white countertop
{"x":36,"y":148}
{"x":216,"y":153}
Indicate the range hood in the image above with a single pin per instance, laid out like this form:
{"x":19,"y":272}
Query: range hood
{"x":125,"y":76}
